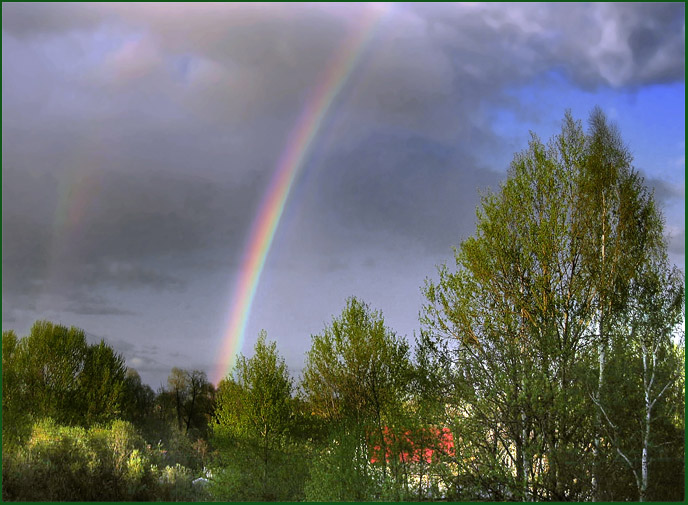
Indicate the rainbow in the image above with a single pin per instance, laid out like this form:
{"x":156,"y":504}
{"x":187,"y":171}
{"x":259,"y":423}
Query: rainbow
{"x":78,"y":187}
{"x":265,"y":224}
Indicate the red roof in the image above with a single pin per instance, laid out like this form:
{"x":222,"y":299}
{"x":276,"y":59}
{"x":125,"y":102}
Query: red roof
{"x":416,"y":447}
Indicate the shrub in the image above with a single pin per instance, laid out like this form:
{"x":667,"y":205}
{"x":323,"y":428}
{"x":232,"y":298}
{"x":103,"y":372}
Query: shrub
{"x":60,"y":463}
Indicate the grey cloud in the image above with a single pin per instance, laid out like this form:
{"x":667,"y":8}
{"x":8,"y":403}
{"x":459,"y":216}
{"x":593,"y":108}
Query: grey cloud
{"x":24,"y":20}
{"x":96,"y":308}
{"x":677,"y":242}
{"x":124,"y":275}
{"x":121,"y":345}
{"x":666,"y":191}
{"x":128,"y":220}
{"x":244,"y":63}
{"x":8,"y":314}
{"x":594,"y":44}
{"x":403,"y":187}
{"x":74,"y":298}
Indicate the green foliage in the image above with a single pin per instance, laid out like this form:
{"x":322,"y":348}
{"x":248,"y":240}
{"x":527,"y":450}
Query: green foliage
{"x":54,"y":373}
{"x":138,"y":406}
{"x":61,"y":436}
{"x":16,"y":424}
{"x":532,"y":335}
{"x":175,"y":483}
{"x":254,"y":420}
{"x":341,"y":472}
{"x":71,"y":463}
{"x":358,"y":369}
{"x":356,"y":381}
{"x":111,"y":463}
{"x":101,"y":384}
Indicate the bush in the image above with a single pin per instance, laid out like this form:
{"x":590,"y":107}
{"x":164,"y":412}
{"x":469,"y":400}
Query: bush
{"x":112,"y":463}
{"x":341,"y":473}
{"x":175,"y":484}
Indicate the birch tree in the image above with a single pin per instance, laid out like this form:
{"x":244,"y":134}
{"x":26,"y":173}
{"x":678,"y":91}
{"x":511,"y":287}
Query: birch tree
{"x":654,"y":317}
{"x":620,"y":224}
{"x":536,"y":298}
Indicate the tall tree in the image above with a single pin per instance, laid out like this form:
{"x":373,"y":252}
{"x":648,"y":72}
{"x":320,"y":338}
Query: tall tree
{"x":199,"y":405}
{"x":101,"y":384}
{"x":178,"y":387}
{"x":528,"y":316}
{"x":191,"y":397}
{"x":621,"y":225}
{"x":356,"y":379}
{"x":15,"y":411}
{"x":139,"y":402}
{"x":253,"y":419}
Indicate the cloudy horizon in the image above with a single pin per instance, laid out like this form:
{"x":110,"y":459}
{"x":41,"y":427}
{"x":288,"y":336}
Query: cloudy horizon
{"x":139,"y":140}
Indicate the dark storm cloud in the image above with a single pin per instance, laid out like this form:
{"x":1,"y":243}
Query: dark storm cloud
{"x":617,"y":44}
{"x":127,"y":224}
{"x":187,"y":114}
{"x":95,"y":307}
{"x":420,"y":191}
{"x":171,"y":119}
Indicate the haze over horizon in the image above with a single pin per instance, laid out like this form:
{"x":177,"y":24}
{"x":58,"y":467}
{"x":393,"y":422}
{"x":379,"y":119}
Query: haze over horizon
{"x":139,"y":140}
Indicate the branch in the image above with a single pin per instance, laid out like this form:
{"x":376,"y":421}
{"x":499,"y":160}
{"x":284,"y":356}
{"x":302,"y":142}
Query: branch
{"x":635,"y":474}
{"x":599,"y":405}
{"x":671,"y":381}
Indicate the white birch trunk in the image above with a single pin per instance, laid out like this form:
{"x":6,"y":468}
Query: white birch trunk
{"x":602,"y":349}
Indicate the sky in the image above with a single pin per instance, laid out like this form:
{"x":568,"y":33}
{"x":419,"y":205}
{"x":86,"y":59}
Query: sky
{"x":139,"y":140}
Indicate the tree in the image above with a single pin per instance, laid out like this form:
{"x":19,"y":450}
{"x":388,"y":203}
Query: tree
{"x":190,"y":397}
{"x":54,"y":372}
{"x":199,"y":405}
{"x":139,"y":404}
{"x":538,"y":298}
{"x":355,"y":380}
{"x":178,"y":385}
{"x":622,"y":224}
{"x":654,"y":318}
{"x":101,"y":384}
{"x":15,"y":413}
{"x":55,"y":357}
{"x":516,"y":312}
{"x":253,"y":419}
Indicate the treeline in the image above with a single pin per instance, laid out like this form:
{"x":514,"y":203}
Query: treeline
{"x":549,"y":365}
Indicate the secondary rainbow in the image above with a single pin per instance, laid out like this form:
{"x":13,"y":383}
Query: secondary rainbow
{"x":263,"y":229}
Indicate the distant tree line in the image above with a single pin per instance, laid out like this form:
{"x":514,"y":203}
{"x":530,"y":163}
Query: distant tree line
{"x":549,"y":366}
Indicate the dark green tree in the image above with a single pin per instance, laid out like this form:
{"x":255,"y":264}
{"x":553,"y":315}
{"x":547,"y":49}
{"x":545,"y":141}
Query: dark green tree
{"x":101,"y":384}
{"x":54,"y":372}
{"x":651,"y":369}
{"x":139,"y":405}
